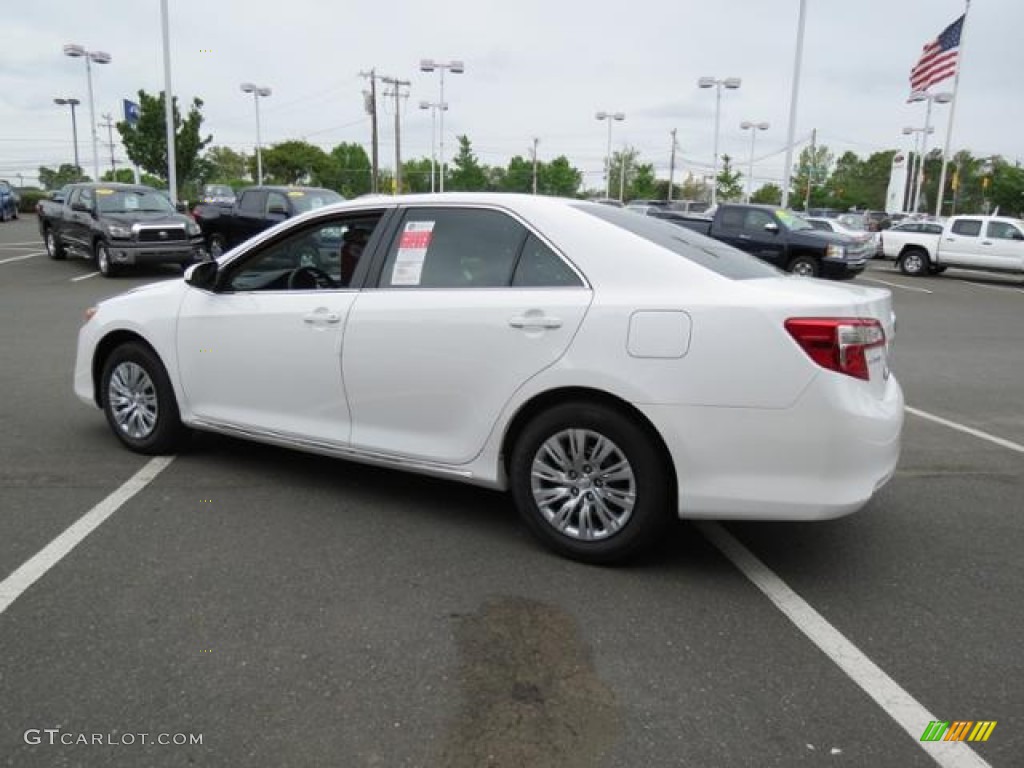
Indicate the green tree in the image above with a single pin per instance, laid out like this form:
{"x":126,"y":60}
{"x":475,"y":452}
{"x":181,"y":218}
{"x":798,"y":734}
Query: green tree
{"x":769,"y":194}
{"x":643,"y":185}
{"x":558,"y":177}
{"x":730,"y":182}
{"x":65,"y":174}
{"x":1007,"y":187}
{"x":292,"y":162}
{"x":518,"y":176}
{"x":226,"y":166}
{"x":416,"y":175}
{"x":813,"y":167}
{"x":624,"y":161}
{"x":346,"y":169}
{"x":146,"y":141}
{"x":466,"y":173}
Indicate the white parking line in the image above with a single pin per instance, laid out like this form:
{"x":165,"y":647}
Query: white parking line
{"x":896,"y":702}
{"x":897,"y":285}
{"x":36,"y":243}
{"x":84,"y":277}
{"x":993,"y":287}
{"x":1000,"y":441}
{"x":36,"y":567}
{"x":21,"y":258}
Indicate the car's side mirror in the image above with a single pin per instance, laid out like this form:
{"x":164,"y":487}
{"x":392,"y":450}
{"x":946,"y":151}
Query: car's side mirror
{"x":202,"y":275}
{"x":772,"y":227}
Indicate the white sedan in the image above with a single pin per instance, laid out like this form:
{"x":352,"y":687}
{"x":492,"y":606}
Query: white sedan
{"x":612,"y":371}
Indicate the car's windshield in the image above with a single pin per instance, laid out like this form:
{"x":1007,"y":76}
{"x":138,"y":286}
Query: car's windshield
{"x":853,"y":221}
{"x":310,"y":200}
{"x":131,"y":201}
{"x":218,"y":190}
{"x":791,"y":220}
{"x":710,"y":254}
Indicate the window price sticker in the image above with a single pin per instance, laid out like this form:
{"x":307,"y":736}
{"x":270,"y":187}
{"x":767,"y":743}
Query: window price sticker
{"x":412,"y":251}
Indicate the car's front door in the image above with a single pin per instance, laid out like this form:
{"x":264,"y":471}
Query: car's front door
{"x":263,"y":352}
{"x":469,"y":305}
{"x":764,"y":237}
{"x":1004,"y":245}
{"x":78,"y":216}
{"x":961,"y":244}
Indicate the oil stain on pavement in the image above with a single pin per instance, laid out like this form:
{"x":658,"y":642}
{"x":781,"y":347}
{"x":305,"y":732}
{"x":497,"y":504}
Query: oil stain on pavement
{"x":530,"y":694}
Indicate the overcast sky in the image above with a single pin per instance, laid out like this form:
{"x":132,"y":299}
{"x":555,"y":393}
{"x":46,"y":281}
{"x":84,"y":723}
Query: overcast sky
{"x":533,"y":69}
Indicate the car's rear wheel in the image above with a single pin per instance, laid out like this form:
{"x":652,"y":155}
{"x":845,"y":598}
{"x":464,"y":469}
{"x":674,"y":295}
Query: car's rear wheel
{"x":103,"y":262}
{"x":805,"y":266}
{"x":138,"y":400}
{"x":54,"y":248}
{"x":914,"y":262}
{"x":590,"y":482}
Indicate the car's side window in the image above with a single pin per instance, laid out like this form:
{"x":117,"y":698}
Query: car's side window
{"x":1000,"y":230}
{"x":453,"y":248}
{"x":251,"y":202}
{"x":967,"y":227}
{"x":276,"y":202}
{"x":324,"y":255}
{"x":756,"y":221}
{"x":822,"y":225}
{"x":540,"y":267}
{"x":731,"y":219}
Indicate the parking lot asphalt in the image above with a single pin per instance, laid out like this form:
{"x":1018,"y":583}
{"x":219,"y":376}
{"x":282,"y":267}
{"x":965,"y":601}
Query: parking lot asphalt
{"x":295,"y":610}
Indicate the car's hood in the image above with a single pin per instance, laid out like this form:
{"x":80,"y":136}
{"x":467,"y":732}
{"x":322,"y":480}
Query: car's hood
{"x":815,"y":236}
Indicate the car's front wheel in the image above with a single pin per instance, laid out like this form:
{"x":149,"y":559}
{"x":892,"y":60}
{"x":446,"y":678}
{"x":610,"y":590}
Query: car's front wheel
{"x":805,"y":266}
{"x":590,"y":482}
{"x":138,"y":400}
{"x":103,"y":262}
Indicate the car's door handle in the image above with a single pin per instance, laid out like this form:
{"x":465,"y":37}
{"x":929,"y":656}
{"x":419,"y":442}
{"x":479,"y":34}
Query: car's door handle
{"x":321,"y":316}
{"x":535,"y":321}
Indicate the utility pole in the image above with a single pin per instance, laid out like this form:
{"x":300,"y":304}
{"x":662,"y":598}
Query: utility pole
{"x":109,"y":125}
{"x":811,"y":170}
{"x":371,"y":110}
{"x":397,"y":93}
{"x":535,"y":142}
{"x":622,"y":176}
{"x":672,"y":166}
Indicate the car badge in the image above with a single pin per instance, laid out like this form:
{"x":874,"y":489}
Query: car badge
{"x":163,"y":234}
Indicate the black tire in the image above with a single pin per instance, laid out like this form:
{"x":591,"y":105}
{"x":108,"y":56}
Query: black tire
{"x":101,"y":250}
{"x":647,"y":478}
{"x":805,"y":266}
{"x":217,"y":245}
{"x":155,"y":427}
{"x":54,"y":247}
{"x":914,"y":262}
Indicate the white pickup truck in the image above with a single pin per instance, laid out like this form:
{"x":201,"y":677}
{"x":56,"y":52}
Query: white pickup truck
{"x":991,"y":243}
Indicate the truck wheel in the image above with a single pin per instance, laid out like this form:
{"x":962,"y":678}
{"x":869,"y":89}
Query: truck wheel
{"x":54,"y":248}
{"x":217,"y":246}
{"x":103,"y":262}
{"x":590,"y":483}
{"x":805,"y":266}
{"x":914,"y":262}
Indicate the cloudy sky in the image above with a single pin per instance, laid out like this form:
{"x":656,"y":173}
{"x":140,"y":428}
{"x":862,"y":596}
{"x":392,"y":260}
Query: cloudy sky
{"x":534,"y":68}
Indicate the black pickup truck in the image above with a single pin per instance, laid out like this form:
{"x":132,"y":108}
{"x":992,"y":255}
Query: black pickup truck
{"x":782,"y":238}
{"x":257,"y":209}
{"x":119,"y":225}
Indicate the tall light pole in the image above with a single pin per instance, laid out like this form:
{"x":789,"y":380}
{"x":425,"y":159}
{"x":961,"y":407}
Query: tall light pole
{"x":746,"y":125}
{"x":456,"y":68}
{"x":74,"y":126}
{"x":731,"y":83}
{"x":397,"y":84}
{"x":257,"y":91}
{"x":433,"y":106}
{"x":939,"y":98}
{"x":609,"y":116}
{"x":794,"y":97}
{"x":97,"y":57}
{"x":172,"y":164}
{"x":536,"y":141}
{"x":915,"y":165}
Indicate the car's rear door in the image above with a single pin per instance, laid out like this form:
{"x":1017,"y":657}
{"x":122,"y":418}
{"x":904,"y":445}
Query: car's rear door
{"x":468,"y":305}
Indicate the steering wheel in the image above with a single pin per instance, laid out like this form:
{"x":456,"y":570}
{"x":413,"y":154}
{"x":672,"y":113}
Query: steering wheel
{"x":310,"y":277}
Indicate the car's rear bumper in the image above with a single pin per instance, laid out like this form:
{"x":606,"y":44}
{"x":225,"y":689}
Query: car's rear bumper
{"x":823,"y":457}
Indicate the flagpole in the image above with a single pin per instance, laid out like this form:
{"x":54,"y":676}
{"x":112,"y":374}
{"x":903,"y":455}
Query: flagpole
{"x":952,"y":113}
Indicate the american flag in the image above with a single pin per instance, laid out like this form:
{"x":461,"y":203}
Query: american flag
{"x":938,"y":59}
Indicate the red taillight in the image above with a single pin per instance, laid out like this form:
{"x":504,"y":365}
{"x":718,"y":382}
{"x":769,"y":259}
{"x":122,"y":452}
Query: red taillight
{"x":838,"y":343}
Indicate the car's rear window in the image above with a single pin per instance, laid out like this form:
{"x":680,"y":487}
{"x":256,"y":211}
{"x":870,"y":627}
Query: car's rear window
{"x":710,"y":254}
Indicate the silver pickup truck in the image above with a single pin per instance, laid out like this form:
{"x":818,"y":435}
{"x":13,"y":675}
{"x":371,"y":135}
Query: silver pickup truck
{"x":990,"y":243}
